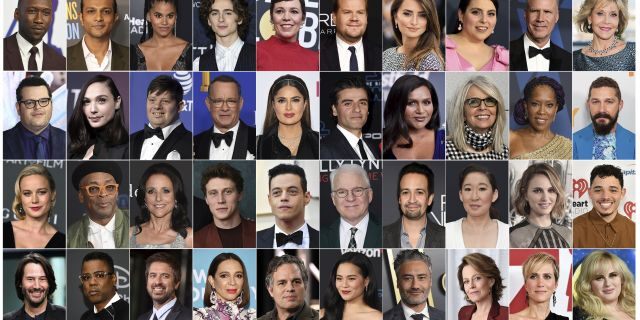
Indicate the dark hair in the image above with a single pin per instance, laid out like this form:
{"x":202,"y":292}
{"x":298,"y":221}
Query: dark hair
{"x":241,"y":9}
{"x":147,"y":25}
{"x":36,"y":258}
{"x":336,"y":5}
{"x":99,"y":255}
{"x":334,"y":305}
{"x":179,"y":219}
{"x":167,"y":258}
{"x":115,"y":6}
{"x":462,"y":6}
{"x":349,"y":83}
{"x":288,"y":168}
{"x":213,"y":267}
{"x":606,"y":170}
{"x":395,"y":127}
{"x":418,"y":168}
{"x":519,"y":112}
{"x":605,"y":82}
{"x":410,"y":255}
{"x":33,"y":81}
{"x":277,"y":261}
{"x":287,"y":80}
{"x":473,"y":168}
{"x":164,"y":83}
{"x":82,"y":135}
{"x":226,"y":79}
{"x":223,"y":171}
{"x":487,"y":267}
{"x":429,"y":40}
{"x":273,"y":2}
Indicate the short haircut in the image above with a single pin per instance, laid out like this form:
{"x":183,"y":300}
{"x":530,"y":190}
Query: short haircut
{"x":225,"y":79}
{"x":46,"y":266}
{"x":276,"y":262}
{"x":336,"y":5}
{"x":31,"y":170}
{"x":166,"y":258}
{"x":417,"y":168}
{"x":213,"y":268}
{"x":536,"y":261}
{"x":99,"y":255}
{"x":223,"y":171}
{"x":410,"y":255}
{"x":33,"y":81}
{"x":288,"y":169}
{"x":486,"y":267}
{"x":519,"y":110}
{"x":164,"y":83}
{"x":240,"y":8}
{"x":582,"y":21}
{"x":601,"y":82}
{"x":273,"y":3}
{"x":349,"y":83}
{"x":115,"y":6}
{"x":606,"y":170}
{"x":349,"y":167}
{"x":520,"y":202}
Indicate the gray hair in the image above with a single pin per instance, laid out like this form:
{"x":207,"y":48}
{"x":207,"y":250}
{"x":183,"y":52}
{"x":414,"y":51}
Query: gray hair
{"x":410,"y":255}
{"x":349,"y":167}
{"x":276,"y":262}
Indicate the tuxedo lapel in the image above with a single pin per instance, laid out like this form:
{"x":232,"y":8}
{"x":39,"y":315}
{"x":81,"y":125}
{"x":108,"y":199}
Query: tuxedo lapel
{"x":240,"y":145}
{"x":136,"y":144}
{"x":170,"y":141}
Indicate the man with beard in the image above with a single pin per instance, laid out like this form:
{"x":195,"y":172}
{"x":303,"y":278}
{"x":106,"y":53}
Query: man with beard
{"x":415,"y":200}
{"x":413,"y":273}
{"x":35,"y":283}
{"x":98,"y":278}
{"x":163,"y":279}
{"x":604,"y":138}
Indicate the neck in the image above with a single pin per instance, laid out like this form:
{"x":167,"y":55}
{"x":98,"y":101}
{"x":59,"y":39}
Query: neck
{"x":418,"y":132}
{"x":284,"y":314}
{"x":538,"y":42}
{"x":480,"y":222}
{"x":162,"y":41}
{"x":408,"y":45}
{"x":32,"y":41}
{"x":228,"y":40}
{"x":612,"y":307}
{"x":35,"y":130}
{"x":35,"y":225}
{"x":416,"y":307}
{"x":292,"y":39}
{"x":102,"y":221}
{"x":354,"y":304}
{"x":540,"y":220}
{"x":351,"y":41}
{"x":160,"y":224}
{"x":608,"y":218}
{"x":355,"y":132}
{"x":601,"y":44}
{"x":414,"y":226}
{"x":538,"y":310}
{"x":97,"y":46}
{"x":464,"y":39}
{"x":484,"y":306}
{"x":33,"y":311}
{"x":543,"y":134}
{"x":289,"y":226}
{"x":289,"y":131}
{"x":157,"y":305}
{"x":233,"y":221}
{"x":355,"y":221}
{"x":103,"y":304}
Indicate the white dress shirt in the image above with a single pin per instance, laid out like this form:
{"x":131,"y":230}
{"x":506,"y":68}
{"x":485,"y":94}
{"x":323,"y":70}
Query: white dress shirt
{"x":101,"y":237}
{"x":353,"y":142}
{"x":344,"y":55}
{"x":113,"y":300}
{"x":24,"y":46}
{"x":291,"y":245}
{"x":224,"y":151}
{"x":227,"y":58}
{"x":92,"y":61}
{"x":537,"y":63}
{"x":345,"y":232}
{"x":151,"y":145}
{"x":408,"y":311}
{"x":163,"y":312}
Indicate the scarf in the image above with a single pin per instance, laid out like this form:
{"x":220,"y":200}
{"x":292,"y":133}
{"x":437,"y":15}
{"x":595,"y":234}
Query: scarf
{"x":477,"y":141}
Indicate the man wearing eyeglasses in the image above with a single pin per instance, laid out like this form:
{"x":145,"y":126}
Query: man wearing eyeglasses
{"x":34,"y":137}
{"x":351,"y":194}
{"x":99,"y":280}
{"x":104,"y":226}
{"x":229,"y":138}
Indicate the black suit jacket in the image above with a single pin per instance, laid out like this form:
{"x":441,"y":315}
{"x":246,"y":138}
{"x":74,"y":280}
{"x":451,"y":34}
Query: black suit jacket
{"x":560,"y":59}
{"x":396,"y":313}
{"x":119,"y":57}
{"x":330,"y":237}
{"x":51,"y":59}
{"x":13,"y":144}
{"x":118,"y":310}
{"x":53,"y":313}
{"x":246,"y":59}
{"x":179,"y":140}
{"x":329,"y":60}
{"x":265,"y":237}
{"x":178,"y":312}
{"x":435,"y":235}
{"x":245,"y":141}
{"x":336,"y":146}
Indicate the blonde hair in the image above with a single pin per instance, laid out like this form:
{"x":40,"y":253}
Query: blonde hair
{"x":536,"y":261}
{"x":582,"y":19}
{"x":30,"y":170}
{"x":522,"y":205}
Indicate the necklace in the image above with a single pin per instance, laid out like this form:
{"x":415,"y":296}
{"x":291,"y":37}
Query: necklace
{"x":609,"y":244}
{"x":603,"y":51}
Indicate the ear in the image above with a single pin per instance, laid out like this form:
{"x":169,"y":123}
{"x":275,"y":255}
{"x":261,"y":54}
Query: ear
{"x":181,"y":106}
{"x":334,"y":110}
{"x":176,"y":286}
{"x":621,"y":105}
{"x":430,"y":201}
{"x":53,"y":196}
{"x":495,"y":196}
{"x":366,"y":281}
{"x":624,"y":192}
{"x":210,"y":281}
{"x":208,"y":104}
{"x":116,"y":18}
{"x":460,"y":15}
{"x":270,"y":289}
{"x":307,"y":198}
{"x":240,"y":104}
{"x":80,"y":197}
{"x":460,"y":195}
{"x":16,"y":14}
{"x":118,"y":102}
{"x":80,"y":19}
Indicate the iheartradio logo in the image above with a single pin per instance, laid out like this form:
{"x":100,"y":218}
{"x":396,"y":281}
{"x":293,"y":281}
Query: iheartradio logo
{"x":580,"y":186}
{"x":629,"y":208}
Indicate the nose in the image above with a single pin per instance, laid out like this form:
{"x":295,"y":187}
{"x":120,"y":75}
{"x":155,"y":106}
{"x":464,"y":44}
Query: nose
{"x":220,"y":17}
{"x":220,"y":198}
{"x":475,"y":194}
{"x":538,"y":16}
{"x":420,"y":109}
{"x":414,"y":19}
{"x":34,"y":198}
{"x":483,"y":17}
{"x":93,"y":107}
{"x":99,"y":16}
{"x":232,"y":281}
{"x":38,"y":17}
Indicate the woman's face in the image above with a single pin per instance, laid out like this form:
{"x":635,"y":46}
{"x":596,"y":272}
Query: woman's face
{"x":482,"y":117}
{"x":159,"y":197}
{"x":287,"y":19}
{"x":411,"y":19}
{"x":541,"y":284}
{"x":604,"y":19}
{"x":162,"y":16}
{"x":607,"y":285}
{"x":419,"y":109}
{"x":36,"y":196}
{"x":541,"y":108}
{"x":541,"y":195}
{"x":476,"y":286}
{"x":350,"y":282}
{"x":99,"y":105}
{"x":228,"y":280}
{"x":479,"y":20}
{"x":477,"y":194}
{"x":289,"y":105}
{"x":222,"y":19}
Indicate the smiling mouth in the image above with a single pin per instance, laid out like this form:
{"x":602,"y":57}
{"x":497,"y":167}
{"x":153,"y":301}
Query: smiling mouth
{"x":157,"y":114}
{"x":483,"y":117}
{"x":606,"y":204}
{"x":482,"y":29}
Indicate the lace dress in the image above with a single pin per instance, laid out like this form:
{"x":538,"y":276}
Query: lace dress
{"x":178,"y":243}
{"x":224,"y":310}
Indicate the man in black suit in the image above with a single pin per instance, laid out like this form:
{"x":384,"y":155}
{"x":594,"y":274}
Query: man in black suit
{"x":164,"y":137}
{"x":99,"y":279}
{"x":229,"y":137}
{"x":163,"y":276}
{"x":288,"y":197}
{"x":348,"y":50}
{"x":34,"y":137}
{"x":95,"y":51}
{"x":25,"y":50}
{"x":350,"y":107}
{"x":413,"y":273}
{"x":534,"y":51}
{"x":415,"y":199}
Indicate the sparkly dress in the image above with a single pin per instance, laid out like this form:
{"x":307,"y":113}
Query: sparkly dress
{"x":625,"y":60}
{"x":392,"y":60}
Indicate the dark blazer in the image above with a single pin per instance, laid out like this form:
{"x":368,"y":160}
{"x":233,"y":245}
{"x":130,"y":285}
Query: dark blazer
{"x":246,"y":59}
{"x":396,"y":313}
{"x":179,"y":140}
{"x":119,"y":310}
{"x":336,"y":146}
{"x":265,"y":237}
{"x":51,"y":59}
{"x":53,"y":313}
{"x":245,"y":141}
{"x":330,"y":237}
{"x":435,"y":235}
{"x":119,"y":57}
{"x":13,"y":144}
{"x":329,"y":60}
{"x":270,"y":147}
{"x":208,"y":237}
{"x":497,"y":312}
{"x":560,"y":59}
{"x":178,"y":312}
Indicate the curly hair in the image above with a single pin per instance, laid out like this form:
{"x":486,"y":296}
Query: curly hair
{"x":240,"y":8}
{"x":520,"y":202}
{"x":30,"y":170}
{"x":519,"y":109}
{"x":582,"y":19}
{"x":147,"y":32}
{"x":428,"y":42}
{"x":487,"y":267}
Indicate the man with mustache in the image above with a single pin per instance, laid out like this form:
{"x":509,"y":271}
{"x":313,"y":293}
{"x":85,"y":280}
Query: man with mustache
{"x":163,"y":279}
{"x":35,"y":282}
{"x":604,"y":138}
{"x":413,"y":274}
{"x":99,"y":279}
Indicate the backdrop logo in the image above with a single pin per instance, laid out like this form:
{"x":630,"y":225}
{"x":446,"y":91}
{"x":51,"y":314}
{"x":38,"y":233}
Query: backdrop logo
{"x":580,"y":186}
{"x":186,"y":80}
{"x":629,"y":208}
{"x":123,"y":277}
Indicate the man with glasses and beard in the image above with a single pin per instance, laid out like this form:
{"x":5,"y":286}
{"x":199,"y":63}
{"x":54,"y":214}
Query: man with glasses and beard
{"x":35,"y":283}
{"x":163,"y":279}
{"x":604,"y":138}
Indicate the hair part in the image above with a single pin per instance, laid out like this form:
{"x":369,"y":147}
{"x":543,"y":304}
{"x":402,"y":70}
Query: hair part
{"x":147,"y":32}
{"x":38,"y":259}
{"x":302,"y":7}
{"x":429,"y":41}
{"x":487,"y":267}
{"x":31,"y":81}
{"x":519,"y":110}
{"x":213,"y":268}
{"x":169,"y":259}
{"x":288,"y":80}
{"x":520,"y":202}
{"x":30,"y":170}
{"x":474,"y":168}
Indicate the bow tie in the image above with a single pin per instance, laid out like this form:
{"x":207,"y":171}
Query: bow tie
{"x":218,"y":137}
{"x":546,"y":53}
{"x":282,"y":239}
{"x":149,"y":132}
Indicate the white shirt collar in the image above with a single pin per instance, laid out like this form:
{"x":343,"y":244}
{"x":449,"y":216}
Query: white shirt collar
{"x":87,"y":53}
{"x":361,"y":233}
{"x":353,"y":142}
{"x":164,"y":310}
{"x":290,"y":245}
{"x":25,"y":45}
{"x":342,"y":45}
{"x":166,"y":131}
{"x":528,"y":43}
{"x":234,"y":129}
{"x":96,"y":227}
{"x":113,"y":300}
{"x":408,"y":311}
{"x":236,"y":45}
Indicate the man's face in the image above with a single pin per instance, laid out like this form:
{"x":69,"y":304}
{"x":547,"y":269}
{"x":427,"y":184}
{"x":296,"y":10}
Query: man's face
{"x":98,"y":18}
{"x":37,"y":118}
{"x":162,"y":109}
{"x":222,"y":198}
{"x":352,"y":109}
{"x":34,"y":19}
{"x":98,"y":291}
{"x":414,"y":283}
{"x":351,"y":208}
{"x":286,"y":197}
{"x":541,"y":17}
{"x":35,"y":285}
{"x":100,"y":207}
{"x":414,"y":196}
{"x":604,"y":107}
{"x":161,"y":283}
{"x":287,"y":288}
{"x":224,"y":103}
{"x":350,"y":19}
{"x":606,"y":194}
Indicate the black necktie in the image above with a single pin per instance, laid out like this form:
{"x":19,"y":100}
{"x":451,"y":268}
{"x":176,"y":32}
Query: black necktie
{"x":546,"y":53}
{"x":218,"y":137}
{"x":155,"y":317}
{"x":363,"y":153}
{"x":417,"y":316}
{"x":353,"y":61}
{"x":282,"y":239}
{"x":149,"y":132}
{"x":32,"y":59}
{"x":352,"y":242}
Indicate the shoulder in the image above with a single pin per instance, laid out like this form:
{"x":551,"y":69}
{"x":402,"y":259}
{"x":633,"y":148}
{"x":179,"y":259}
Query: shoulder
{"x":390,"y":52}
{"x":75,"y":49}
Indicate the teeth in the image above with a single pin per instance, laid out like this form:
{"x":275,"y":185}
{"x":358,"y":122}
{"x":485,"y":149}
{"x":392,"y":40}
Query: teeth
{"x":482,"y":117}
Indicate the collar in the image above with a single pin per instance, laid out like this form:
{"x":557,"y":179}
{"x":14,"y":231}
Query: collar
{"x":351,"y":138}
{"x":25,"y":45}
{"x":87,"y":53}
{"x":46,"y":133}
{"x":23,"y":313}
{"x":402,"y":225}
{"x":598,"y":220}
{"x":165,"y":308}
{"x":361,"y":225}
{"x":408,"y":311}
{"x":528,"y":43}
{"x":303,"y":228}
{"x":96,"y":227}
{"x":236,"y":45}
{"x":343,"y":46}
{"x":113,"y":300}
{"x":166,"y":131}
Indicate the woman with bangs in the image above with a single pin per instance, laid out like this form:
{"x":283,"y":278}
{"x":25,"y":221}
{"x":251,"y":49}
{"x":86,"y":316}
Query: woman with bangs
{"x":540,"y":272}
{"x":604,"y":289}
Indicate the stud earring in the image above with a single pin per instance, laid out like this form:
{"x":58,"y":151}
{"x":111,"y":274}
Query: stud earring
{"x":459,"y":25}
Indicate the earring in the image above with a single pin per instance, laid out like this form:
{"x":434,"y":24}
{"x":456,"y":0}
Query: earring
{"x":20,"y":209}
{"x":212,"y":296}
{"x":526,"y":297}
{"x":459,"y":25}
{"x":589,"y":27}
{"x":239,"y":299}
{"x":397,"y":26}
{"x":554,"y":298}
{"x":176,"y":206}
